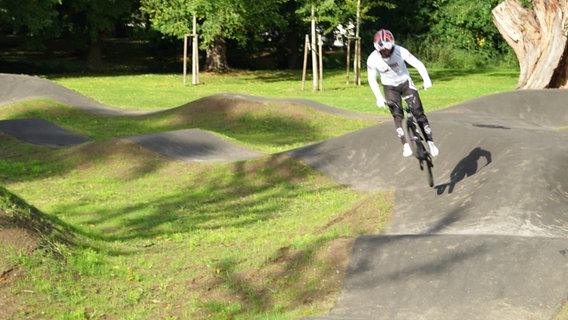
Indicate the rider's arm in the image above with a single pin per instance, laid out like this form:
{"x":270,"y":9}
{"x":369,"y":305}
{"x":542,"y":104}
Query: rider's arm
{"x":418,"y":65}
{"x":372,"y":74}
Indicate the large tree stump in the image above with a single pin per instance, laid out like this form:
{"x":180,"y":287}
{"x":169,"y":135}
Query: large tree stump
{"x":538,"y":33}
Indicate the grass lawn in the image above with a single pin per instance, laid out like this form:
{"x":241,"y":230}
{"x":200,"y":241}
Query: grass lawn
{"x":130,"y":234}
{"x":152,"y":91}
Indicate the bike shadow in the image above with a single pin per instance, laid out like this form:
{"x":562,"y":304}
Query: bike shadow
{"x":467,"y":167}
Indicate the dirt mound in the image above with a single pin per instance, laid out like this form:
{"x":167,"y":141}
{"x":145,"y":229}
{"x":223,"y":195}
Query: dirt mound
{"x":14,"y":88}
{"x":14,"y":238}
{"x":222,"y":100}
{"x":23,"y":230}
{"x":194,"y":145}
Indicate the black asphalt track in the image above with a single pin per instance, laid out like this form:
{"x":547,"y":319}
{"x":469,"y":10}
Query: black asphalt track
{"x":41,"y":132}
{"x":194,"y":145}
{"x":489,"y":241}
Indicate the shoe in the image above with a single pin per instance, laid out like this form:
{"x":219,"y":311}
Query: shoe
{"x":406,"y":151}
{"x":433,"y":149}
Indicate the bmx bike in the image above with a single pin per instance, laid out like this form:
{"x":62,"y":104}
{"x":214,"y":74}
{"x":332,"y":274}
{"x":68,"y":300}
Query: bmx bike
{"x":416,"y":139}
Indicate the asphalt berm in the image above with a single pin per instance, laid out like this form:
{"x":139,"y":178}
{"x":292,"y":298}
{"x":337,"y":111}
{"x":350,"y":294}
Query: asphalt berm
{"x":489,"y":241}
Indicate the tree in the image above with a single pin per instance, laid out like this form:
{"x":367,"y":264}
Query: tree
{"x":447,"y":33}
{"x":454,"y":33}
{"x":219,"y":21}
{"x":538,"y":33}
{"x":86,"y":21}
{"x":28,"y":17}
{"x":467,"y":25}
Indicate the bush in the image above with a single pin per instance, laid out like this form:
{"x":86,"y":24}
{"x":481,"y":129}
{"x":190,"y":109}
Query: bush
{"x":444,"y":54}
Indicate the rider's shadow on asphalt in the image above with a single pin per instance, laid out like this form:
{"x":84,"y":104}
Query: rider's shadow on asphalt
{"x":467,"y":167}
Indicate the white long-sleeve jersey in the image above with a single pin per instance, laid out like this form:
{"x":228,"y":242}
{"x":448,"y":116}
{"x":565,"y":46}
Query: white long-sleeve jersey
{"x":393,"y":70}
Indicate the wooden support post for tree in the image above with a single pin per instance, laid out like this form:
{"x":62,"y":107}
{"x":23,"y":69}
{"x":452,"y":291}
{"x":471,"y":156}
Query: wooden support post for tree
{"x":348,"y":60}
{"x":313,"y":47}
{"x":317,"y":63}
{"x":306,"y":49}
{"x":357,"y":62}
{"x":195,"y":54}
{"x":185,"y":36}
{"x":320,"y":64}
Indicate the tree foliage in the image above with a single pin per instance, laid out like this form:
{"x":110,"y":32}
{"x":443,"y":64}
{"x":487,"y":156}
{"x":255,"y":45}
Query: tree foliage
{"x":222,"y":19}
{"x":89,"y":19}
{"x":172,"y":18}
{"x":83,"y":21}
{"x":330,"y":13}
{"x":455,"y":33}
{"x":467,"y":25}
{"x":449,"y":33}
{"x":28,"y":17}
{"x":219,"y":21}
{"x":402,"y":17}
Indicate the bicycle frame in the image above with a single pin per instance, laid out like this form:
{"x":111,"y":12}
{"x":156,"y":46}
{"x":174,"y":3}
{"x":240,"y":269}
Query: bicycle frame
{"x":415,"y":135}
{"x":416,"y":139}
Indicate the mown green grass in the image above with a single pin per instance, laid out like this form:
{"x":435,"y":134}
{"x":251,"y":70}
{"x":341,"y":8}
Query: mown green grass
{"x":156,"y":238}
{"x":167,"y":91}
{"x":151,"y":237}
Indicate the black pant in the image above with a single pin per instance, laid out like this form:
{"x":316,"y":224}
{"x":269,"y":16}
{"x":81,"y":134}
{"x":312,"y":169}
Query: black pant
{"x":395,"y":93}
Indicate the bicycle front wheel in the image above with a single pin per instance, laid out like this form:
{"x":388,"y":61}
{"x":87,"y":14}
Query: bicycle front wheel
{"x":412,"y":138}
{"x":429,"y":166}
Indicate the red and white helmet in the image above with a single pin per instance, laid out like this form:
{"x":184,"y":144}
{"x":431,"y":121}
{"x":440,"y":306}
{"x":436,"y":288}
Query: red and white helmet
{"x":384,"y":40}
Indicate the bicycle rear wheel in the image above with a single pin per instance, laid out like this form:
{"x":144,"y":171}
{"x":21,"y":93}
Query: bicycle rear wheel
{"x":425,"y":161}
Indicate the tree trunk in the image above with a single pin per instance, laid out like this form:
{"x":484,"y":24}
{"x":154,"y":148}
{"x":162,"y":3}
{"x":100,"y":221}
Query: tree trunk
{"x":94,"y":58}
{"x":539,"y":36}
{"x":289,"y":55}
{"x":216,"y":60}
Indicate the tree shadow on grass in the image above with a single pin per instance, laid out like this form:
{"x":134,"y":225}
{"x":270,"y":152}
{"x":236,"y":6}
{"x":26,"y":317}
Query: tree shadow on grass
{"x":256,"y":191}
{"x":450,"y":74}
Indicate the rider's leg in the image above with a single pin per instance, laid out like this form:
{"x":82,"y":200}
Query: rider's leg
{"x":418,"y":111}
{"x":392,"y":94}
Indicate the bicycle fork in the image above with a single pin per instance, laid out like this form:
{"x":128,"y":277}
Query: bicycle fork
{"x":414,"y":134}
{"x":416,"y":138}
